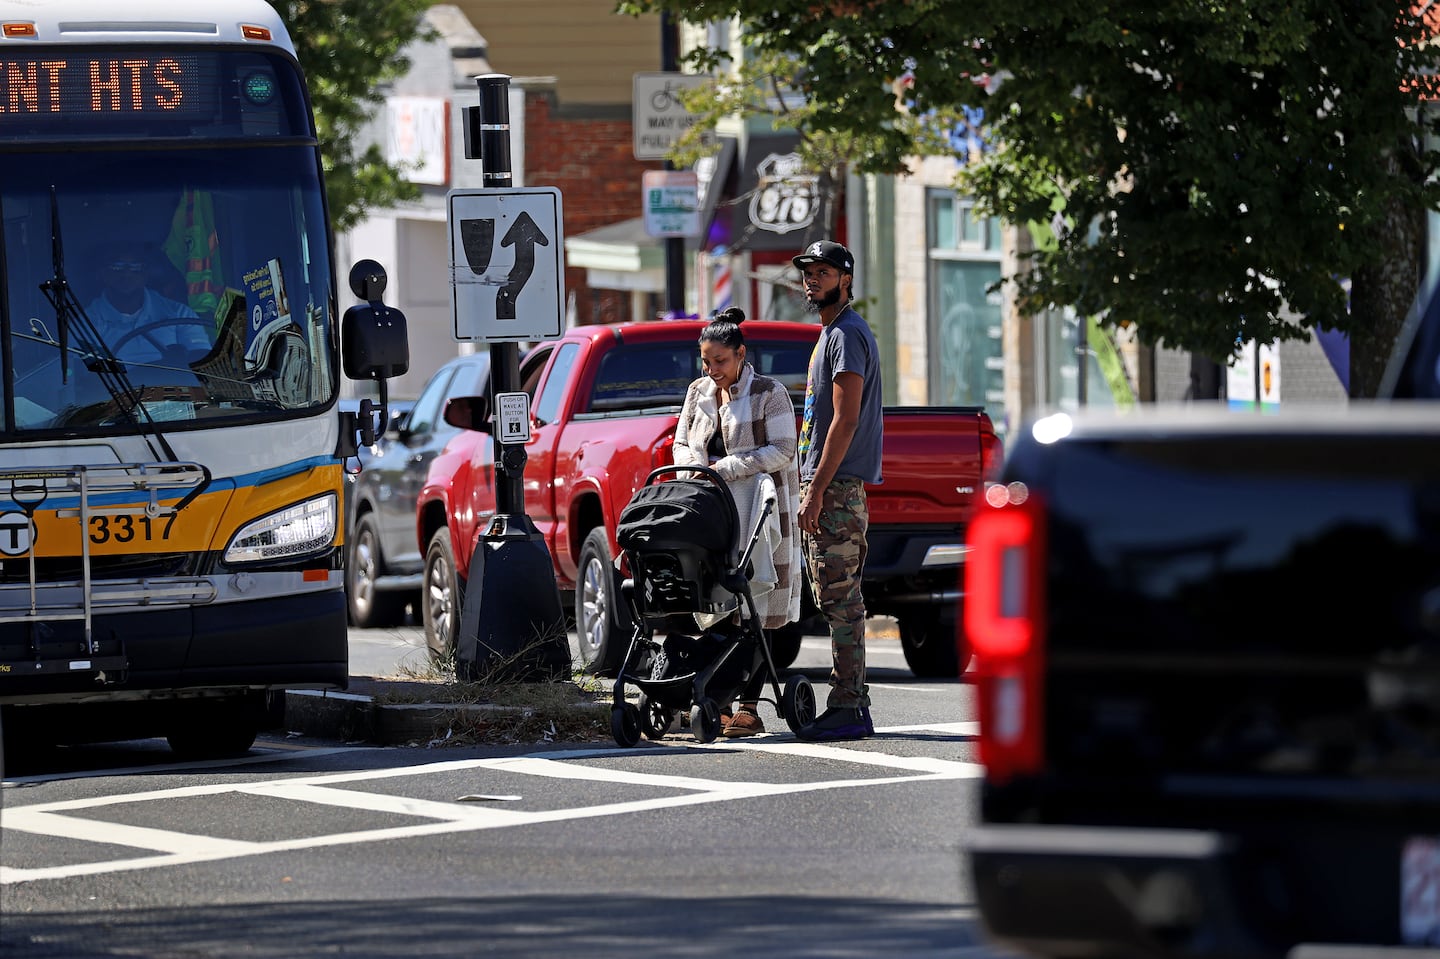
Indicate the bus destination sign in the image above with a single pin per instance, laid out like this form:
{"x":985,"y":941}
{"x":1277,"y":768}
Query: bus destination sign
{"x":95,"y":85}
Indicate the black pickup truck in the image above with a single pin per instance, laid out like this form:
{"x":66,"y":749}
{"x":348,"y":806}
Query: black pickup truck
{"x":1208,"y":674}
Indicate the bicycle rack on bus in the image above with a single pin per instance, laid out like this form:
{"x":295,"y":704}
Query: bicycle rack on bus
{"x":28,"y":488}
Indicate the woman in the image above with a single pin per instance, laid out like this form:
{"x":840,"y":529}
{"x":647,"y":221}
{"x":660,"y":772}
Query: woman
{"x":742,"y":424}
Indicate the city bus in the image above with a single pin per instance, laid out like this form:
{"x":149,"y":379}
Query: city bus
{"x":171,"y":456}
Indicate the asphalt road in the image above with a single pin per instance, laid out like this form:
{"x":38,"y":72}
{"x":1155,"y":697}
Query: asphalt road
{"x":759,"y":847}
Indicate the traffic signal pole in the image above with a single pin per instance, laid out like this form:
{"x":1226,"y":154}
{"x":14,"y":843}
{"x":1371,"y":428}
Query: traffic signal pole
{"x":512,"y":627}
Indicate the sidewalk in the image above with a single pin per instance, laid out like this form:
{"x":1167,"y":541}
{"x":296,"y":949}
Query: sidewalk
{"x":397,"y":709}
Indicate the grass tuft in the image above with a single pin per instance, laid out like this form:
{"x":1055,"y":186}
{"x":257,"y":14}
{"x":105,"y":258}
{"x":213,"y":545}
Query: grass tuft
{"x":493,"y":708}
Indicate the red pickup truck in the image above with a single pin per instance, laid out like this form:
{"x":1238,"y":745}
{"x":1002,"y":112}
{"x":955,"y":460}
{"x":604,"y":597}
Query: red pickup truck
{"x":604,"y":404}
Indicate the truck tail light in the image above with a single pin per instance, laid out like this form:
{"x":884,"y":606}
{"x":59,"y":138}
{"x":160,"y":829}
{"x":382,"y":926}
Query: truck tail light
{"x":992,"y":457}
{"x":1005,"y":629}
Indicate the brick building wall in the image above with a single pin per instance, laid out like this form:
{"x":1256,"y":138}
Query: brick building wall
{"x":589,"y":156}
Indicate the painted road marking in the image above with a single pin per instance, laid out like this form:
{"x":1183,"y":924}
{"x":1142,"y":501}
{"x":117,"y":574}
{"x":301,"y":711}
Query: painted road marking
{"x":119,"y":834}
{"x":65,"y":818}
{"x":264,"y":752}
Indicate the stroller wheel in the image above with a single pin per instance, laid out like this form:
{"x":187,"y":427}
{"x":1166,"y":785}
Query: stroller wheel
{"x":655,"y":719}
{"x":625,"y":724}
{"x":705,"y":721}
{"x":797,"y":702}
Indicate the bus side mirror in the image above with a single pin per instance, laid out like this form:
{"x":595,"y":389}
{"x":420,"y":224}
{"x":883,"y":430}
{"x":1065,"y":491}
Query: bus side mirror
{"x":469,"y":413}
{"x":373,"y":341}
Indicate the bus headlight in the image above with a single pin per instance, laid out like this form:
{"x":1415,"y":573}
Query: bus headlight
{"x":295,"y":531}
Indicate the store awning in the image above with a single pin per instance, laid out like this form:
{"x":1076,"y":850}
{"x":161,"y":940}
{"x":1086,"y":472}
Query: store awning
{"x":621,"y":256}
{"x":620,"y":246}
{"x":714,"y":173}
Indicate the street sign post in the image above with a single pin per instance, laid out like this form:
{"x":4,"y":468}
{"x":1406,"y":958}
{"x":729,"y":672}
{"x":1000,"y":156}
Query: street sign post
{"x":507,"y":287}
{"x":507,"y":274}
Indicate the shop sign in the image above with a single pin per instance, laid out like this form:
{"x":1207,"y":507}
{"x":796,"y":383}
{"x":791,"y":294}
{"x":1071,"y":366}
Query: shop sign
{"x":417,"y":138}
{"x":672,"y":206}
{"x":786,"y":197}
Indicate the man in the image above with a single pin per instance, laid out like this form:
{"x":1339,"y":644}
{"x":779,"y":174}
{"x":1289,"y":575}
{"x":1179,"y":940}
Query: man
{"x":839,"y":452}
{"x":126,"y":305}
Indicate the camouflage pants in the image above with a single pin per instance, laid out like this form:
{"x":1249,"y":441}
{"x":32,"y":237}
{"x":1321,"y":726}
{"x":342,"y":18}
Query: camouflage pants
{"x":835,"y":559}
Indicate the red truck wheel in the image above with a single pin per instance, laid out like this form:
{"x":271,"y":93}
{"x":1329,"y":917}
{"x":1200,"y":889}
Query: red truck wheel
{"x":602,"y":624}
{"x":927,"y":637}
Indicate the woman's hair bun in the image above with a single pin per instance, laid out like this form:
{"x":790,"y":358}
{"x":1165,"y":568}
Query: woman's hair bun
{"x":724,"y":328}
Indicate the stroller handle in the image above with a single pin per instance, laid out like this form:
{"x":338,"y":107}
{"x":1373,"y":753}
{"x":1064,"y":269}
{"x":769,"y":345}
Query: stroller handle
{"x":705,"y":471}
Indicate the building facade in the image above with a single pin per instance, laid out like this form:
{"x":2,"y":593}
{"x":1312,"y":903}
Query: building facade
{"x":571,"y":129}
{"x":928,"y":269}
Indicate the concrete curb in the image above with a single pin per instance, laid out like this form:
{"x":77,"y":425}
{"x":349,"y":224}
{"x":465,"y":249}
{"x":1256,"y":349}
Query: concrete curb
{"x":352,"y":717}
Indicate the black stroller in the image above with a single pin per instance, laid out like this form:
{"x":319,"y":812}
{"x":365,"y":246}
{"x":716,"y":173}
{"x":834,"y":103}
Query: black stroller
{"x":680,"y":541}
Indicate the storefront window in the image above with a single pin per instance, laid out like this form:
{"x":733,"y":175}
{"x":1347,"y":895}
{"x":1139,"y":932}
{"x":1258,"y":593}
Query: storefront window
{"x":1058,"y":333}
{"x":967,"y":366}
{"x":780,"y":295}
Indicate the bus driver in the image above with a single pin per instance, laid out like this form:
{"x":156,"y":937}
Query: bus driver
{"x":132,"y":318}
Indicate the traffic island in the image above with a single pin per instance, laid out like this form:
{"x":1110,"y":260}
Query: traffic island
{"x":390,"y":712}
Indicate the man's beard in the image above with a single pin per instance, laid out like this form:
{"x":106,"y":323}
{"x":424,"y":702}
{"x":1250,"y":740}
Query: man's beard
{"x":815,"y":305}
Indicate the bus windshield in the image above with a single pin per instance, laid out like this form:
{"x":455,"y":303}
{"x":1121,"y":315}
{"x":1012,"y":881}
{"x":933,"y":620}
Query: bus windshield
{"x":173,"y":195}
{"x":203,"y":272}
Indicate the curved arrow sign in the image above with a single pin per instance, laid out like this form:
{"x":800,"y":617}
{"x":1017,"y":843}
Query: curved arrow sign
{"x":506,"y":272}
{"x":523,"y":236}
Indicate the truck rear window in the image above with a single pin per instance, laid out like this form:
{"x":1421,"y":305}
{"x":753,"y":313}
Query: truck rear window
{"x":658,"y":374}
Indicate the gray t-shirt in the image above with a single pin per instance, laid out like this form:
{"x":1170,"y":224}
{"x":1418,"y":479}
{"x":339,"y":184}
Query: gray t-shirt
{"x":845,"y":346}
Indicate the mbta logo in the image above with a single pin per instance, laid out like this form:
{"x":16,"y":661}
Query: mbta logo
{"x":16,"y":534}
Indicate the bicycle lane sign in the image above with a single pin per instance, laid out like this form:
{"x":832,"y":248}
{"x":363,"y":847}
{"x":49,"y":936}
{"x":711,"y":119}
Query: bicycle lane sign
{"x":659,"y":118}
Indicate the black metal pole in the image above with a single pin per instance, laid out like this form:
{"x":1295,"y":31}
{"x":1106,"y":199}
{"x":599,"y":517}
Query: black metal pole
{"x":512,"y":627}
{"x":497,"y":173}
{"x":674,"y":245}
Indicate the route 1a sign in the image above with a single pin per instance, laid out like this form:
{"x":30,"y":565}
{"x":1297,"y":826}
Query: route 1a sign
{"x":507,"y":273}
{"x":786,"y":196}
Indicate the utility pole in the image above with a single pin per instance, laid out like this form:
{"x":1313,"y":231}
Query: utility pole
{"x":674,"y":245}
{"x":512,"y":627}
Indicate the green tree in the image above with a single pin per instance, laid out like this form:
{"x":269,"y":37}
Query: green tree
{"x":349,"y":49}
{"x":770,"y":84}
{"x":1216,"y":169}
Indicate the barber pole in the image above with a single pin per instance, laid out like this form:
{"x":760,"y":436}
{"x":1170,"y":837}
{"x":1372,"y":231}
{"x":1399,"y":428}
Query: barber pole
{"x":722,"y":293}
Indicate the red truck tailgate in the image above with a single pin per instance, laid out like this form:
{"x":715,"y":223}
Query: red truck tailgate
{"x":925,"y":484}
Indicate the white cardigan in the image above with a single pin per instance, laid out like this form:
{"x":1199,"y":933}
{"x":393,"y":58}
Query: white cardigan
{"x":758,"y":428}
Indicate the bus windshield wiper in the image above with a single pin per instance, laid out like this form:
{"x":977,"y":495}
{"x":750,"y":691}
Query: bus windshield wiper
{"x":104,"y":364}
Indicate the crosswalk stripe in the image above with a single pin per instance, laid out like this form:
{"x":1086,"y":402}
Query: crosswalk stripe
{"x":65,"y":818}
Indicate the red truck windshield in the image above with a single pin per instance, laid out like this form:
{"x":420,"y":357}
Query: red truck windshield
{"x":648,"y":375}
